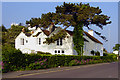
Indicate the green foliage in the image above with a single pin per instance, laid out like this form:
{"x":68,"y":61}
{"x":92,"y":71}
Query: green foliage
{"x":47,"y":53}
{"x":8,"y":37}
{"x":117,"y":47}
{"x":11,"y":58}
{"x":78,"y":39}
{"x":83,"y":62}
{"x":75,"y":15}
{"x":61,"y":34}
{"x":3,"y":28}
{"x":14,"y":60}
{"x":105,"y":54}
{"x":38,"y":65}
{"x":74,"y":63}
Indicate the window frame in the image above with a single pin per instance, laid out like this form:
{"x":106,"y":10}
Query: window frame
{"x":63,"y":51}
{"x":58,"y":51}
{"x":60,"y":42}
{"x":22,"y":41}
{"x":39,"y":41}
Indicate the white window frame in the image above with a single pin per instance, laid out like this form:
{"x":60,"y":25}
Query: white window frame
{"x":38,"y":41}
{"x":59,"y":42}
{"x":22,"y":41}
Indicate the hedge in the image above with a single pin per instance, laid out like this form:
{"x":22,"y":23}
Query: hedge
{"x":14,"y":60}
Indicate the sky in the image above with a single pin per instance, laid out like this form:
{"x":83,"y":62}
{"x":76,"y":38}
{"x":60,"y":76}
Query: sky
{"x":19,"y":12}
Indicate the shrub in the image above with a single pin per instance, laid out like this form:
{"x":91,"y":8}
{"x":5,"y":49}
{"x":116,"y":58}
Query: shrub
{"x":46,"y":53}
{"x":105,"y":54}
{"x":14,"y":60}
{"x":38,"y":65}
{"x":74,"y":62}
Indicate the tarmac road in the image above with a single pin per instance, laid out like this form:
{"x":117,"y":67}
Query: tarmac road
{"x":101,"y":70}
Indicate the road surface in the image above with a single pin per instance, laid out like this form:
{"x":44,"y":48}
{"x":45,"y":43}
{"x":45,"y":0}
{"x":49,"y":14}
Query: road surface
{"x":101,"y":70}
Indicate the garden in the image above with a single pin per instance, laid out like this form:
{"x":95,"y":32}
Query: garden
{"x":14,"y":60}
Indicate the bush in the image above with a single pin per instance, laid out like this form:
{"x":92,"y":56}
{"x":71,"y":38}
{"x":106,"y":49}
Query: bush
{"x":14,"y":60}
{"x":38,"y":65}
{"x":46,"y":53}
{"x":105,"y":54}
{"x":74,"y":63}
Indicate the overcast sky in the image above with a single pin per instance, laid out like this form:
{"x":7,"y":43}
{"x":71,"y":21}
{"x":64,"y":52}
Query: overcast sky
{"x":19,"y":12}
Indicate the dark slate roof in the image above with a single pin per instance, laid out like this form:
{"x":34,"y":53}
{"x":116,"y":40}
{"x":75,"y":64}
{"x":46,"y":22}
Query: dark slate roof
{"x":28,"y":34}
{"x":46,"y":32}
{"x":37,"y":33}
{"x":87,"y":34}
{"x":69,"y":32}
{"x":93,"y":38}
{"x":86,"y":40}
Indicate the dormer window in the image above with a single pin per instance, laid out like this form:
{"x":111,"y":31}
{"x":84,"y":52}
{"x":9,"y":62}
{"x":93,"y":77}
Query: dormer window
{"x":22,"y":41}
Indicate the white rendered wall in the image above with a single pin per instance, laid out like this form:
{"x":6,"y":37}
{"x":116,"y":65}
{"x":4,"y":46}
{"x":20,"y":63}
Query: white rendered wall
{"x":33,"y":45}
{"x":91,"y":45}
{"x":67,"y":46}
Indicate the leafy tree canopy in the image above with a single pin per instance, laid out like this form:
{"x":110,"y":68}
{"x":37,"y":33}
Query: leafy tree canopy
{"x":75,"y":15}
{"x":9,"y":35}
{"x":71,"y":14}
{"x":116,"y":47}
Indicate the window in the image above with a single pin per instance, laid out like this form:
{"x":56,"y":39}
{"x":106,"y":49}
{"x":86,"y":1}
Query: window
{"x":58,"y":51}
{"x":59,"y":41}
{"x":22,"y":41}
{"x":39,"y":41}
{"x":55,"y":51}
{"x":26,"y":41}
{"x":62,"y":51}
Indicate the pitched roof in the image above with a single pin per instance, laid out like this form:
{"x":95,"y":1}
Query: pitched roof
{"x":91,"y":37}
{"x":28,"y":34}
{"x":37,"y":34}
{"x":46,"y":32}
{"x":69,"y":32}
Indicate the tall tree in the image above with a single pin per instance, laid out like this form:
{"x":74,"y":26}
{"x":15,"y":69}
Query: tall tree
{"x":9,"y":35}
{"x":116,"y":47}
{"x":75,"y":15}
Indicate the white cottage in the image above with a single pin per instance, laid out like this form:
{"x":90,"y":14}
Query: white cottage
{"x":33,"y":42}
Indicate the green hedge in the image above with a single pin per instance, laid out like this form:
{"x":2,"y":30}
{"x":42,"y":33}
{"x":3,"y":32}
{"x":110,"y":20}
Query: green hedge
{"x":14,"y":60}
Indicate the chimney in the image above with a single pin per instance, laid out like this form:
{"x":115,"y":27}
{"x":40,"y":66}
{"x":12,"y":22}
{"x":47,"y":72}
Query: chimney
{"x":32,"y":32}
{"x":90,"y":32}
{"x":23,"y":30}
{"x":51,"y":28}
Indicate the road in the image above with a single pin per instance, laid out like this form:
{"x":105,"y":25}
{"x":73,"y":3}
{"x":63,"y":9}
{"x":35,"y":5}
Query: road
{"x":101,"y":70}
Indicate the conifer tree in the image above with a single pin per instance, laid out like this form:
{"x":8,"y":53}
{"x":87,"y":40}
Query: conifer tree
{"x":76,"y":15}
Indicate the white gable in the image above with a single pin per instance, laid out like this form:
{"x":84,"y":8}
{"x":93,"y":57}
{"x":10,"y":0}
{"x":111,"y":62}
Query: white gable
{"x":35,"y":43}
{"x":36,"y":31}
{"x":21,"y":35}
